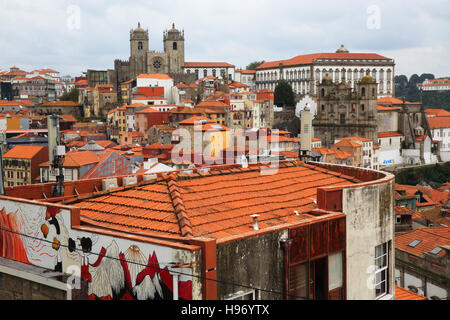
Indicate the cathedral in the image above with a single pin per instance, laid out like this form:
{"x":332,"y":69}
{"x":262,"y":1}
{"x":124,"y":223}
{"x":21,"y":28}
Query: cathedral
{"x":343,"y":111}
{"x":142,"y":60}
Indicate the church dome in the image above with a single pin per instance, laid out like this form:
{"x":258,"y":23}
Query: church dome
{"x":367,"y":79}
{"x":173,"y":30}
{"x":326,"y":79}
{"x":139,"y":29}
{"x":342,"y":49}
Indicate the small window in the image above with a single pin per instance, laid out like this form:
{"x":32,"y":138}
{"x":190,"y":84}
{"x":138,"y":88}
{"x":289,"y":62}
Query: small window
{"x":363,"y":92}
{"x":140,"y":45}
{"x":436,"y":251}
{"x":175,"y":46}
{"x":382,"y":271}
{"x":362,"y":107}
{"x":398,"y":219}
{"x":414,"y":243}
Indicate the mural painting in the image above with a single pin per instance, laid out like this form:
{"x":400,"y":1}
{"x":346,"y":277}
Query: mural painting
{"x":115,"y":268}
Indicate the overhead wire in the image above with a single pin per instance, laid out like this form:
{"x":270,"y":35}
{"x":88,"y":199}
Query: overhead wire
{"x":157,"y":268}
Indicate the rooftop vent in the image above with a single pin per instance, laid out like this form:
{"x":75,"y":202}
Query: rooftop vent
{"x":203,"y":170}
{"x":127,"y":181}
{"x":255,"y":221}
{"x":187,"y":172}
{"x":109,"y":184}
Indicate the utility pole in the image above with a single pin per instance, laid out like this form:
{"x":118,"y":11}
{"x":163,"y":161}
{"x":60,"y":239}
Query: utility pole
{"x":56,"y":151}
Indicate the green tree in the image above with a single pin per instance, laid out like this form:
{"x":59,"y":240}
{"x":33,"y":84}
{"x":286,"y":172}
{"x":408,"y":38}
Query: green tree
{"x":72,"y":95}
{"x":254,"y":65}
{"x":283,"y":94}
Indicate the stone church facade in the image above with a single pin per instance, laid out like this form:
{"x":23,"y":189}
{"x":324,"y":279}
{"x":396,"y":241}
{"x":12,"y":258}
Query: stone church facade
{"x":144,"y":61}
{"x":343,"y":111}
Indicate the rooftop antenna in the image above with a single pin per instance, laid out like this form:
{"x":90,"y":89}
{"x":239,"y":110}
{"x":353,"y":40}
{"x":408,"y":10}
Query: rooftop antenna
{"x":57,"y":151}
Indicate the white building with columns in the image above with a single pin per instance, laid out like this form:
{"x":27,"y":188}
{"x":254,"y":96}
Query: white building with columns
{"x":305,"y":71}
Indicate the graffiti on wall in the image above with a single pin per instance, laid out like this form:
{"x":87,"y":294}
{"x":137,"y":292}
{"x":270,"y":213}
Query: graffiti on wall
{"x":114,"y":268}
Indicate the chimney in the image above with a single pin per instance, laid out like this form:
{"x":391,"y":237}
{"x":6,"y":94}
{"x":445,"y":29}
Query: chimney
{"x":305,"y":129}
{"x":255,"y":221}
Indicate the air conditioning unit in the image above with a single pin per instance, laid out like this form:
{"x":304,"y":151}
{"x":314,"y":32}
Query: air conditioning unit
{"x":108,"y":184}
{"x":127,"y":181}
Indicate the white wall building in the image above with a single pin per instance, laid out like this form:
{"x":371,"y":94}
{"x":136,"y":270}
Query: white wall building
{"x":390,"y":145}
{"x":220,"y":70}
{"x":440,"y":130}
{"x":305,"y":71}
{"x":156,"y":80}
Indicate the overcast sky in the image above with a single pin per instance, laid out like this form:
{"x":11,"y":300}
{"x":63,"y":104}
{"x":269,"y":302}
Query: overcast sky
{"x":73,"y":36}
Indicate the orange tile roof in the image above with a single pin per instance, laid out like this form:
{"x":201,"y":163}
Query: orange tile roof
{"x":78,"y":159}
{"x":403,"y":210}
{"x":324,"y":150}
{"x":193,"y":120}
{"x":61,"y":104}
{"x":340,"y":154}
{"x":389,"y":134}
{"x":315,"y":139}
{"x":433,"y":197}
{"x":217,"y":204}
{"x":438,"y":112}
{"x":153,"y":76}
{"x":148,"y":110}
{"x":68,"y":118}
{"x":23,"y":152}
{"x":439,"y":122}
{"x":430,"y":239}
{"x":311,"y":58}
{"x":347,"y":143}
{"x":403,"y":294}
{"x":207,"y":64}
{"x":212,"y":104}
{"x":384,"y":108}
{"x":357,"y":139}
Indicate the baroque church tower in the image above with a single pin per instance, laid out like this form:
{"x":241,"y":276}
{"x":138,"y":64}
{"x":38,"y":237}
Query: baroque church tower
{"x":174,"y":48}
{"x":139,"y":45}
{"x":145,"y":61}
{"x":344,"y":112}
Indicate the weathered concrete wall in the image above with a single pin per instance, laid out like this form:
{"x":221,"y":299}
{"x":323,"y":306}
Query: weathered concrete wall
{"x":370,"y":222}
{"x":14,"y":288}
{"x":256,"y":262}
{"x":387,"y":121}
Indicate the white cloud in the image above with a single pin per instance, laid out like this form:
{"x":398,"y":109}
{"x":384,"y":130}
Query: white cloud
{"x":235,"y":31}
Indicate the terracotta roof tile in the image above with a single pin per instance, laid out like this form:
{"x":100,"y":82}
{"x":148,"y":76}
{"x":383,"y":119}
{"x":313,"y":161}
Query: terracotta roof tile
{"x":403,"y":294}
{"x":430,"y":238}
{"x":23,"y":152}
{"x":211,"y":205}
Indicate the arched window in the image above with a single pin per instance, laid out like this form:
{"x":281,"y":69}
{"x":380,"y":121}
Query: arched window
{"x":373,"y":92}
{"x":205,"y":73}
{"x":363,"y":92}
{"x":175,"y":46}
{"x":362,"y":107}
{"x":140,"y":45}
{"x":322,"y":92}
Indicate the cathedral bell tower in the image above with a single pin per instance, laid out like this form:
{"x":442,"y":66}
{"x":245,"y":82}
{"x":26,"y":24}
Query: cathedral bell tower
{"x":138,"y":51}
{"x":174,"y":48}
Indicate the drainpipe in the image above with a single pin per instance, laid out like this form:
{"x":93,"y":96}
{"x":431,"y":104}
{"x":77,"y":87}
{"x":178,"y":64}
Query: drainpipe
{"x":175,"y":286}
{"x":286,"y":245}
